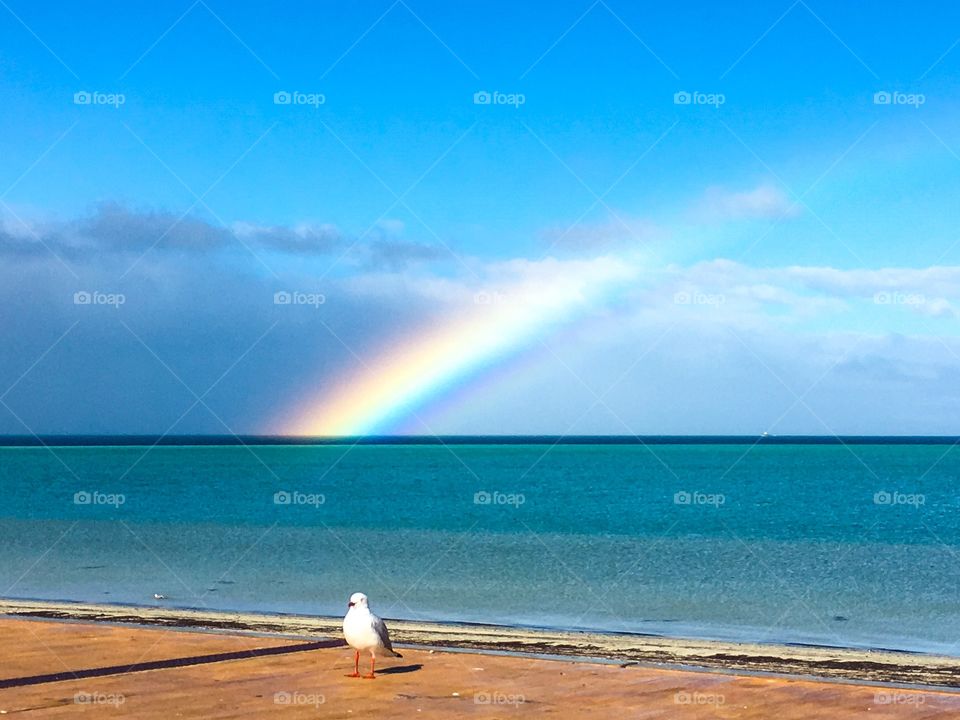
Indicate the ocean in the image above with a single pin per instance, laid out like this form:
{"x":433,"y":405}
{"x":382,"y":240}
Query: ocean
{"x":853,"y":544}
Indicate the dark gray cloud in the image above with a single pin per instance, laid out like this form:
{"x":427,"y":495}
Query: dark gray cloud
{"x":188,"y":321}
{"x":397,"y":254}
{"x":114,"y":230}
{"x":195,"y":305}
{"x":318,"y":240}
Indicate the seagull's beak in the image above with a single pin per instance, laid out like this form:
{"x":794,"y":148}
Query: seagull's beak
{"x":350,"y":604}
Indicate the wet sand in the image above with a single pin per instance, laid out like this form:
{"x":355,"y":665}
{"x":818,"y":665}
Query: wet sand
{"x":60,"y":669}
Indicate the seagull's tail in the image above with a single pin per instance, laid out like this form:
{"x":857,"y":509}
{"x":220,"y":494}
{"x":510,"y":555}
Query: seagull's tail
{"x":395,"y":653}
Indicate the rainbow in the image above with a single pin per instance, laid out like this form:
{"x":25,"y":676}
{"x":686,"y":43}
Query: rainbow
{"x":399,"y":382}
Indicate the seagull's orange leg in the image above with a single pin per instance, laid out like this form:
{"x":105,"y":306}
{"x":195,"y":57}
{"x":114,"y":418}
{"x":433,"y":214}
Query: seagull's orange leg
{"x":356,"y":665}
{"x":372,"y":675}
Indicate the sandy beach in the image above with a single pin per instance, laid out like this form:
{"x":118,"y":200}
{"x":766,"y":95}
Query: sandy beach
{"x":250,"y":666}
{"x":883,"y":666}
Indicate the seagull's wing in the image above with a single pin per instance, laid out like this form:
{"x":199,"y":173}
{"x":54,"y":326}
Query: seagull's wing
{"x":381,"y":629}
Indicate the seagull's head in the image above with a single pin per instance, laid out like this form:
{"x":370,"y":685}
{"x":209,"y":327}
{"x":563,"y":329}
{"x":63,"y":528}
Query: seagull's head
{"x":357,"y":600}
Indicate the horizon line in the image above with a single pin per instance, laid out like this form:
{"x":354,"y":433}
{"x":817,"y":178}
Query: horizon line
{"x":205,"y":439}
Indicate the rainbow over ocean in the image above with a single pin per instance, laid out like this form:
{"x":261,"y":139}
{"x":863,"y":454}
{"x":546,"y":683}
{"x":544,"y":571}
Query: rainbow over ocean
{"x":401,"y":380}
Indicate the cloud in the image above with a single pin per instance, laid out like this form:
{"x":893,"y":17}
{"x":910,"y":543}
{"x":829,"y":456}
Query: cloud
{"x":938,"y":308}
{"x":543,"y":282}
{"x":939,"y":280}
{"x":116,"y":228}
{"x":618,"y":231}
{"x":114,"y":231}
{"x":397,"y":254}
{"x":694,"y":331}
{"x":622,"y":231}
{"x":299,"y":240}
{"x":926,"y":290}
{"x":721,"y":204}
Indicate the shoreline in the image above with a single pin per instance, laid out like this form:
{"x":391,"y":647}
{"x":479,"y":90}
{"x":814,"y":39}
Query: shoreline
{"x":887,"y":667}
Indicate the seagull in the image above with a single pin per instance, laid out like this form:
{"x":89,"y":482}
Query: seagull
{"x":365,"y":632}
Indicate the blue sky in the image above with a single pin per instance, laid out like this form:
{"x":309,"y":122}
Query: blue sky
{"x":788,"y":195}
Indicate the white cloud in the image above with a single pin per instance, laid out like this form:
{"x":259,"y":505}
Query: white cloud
{"x":720,"y":204}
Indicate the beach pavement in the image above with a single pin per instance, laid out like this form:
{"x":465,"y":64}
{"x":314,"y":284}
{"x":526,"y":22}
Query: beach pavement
{"x":62,"y":669}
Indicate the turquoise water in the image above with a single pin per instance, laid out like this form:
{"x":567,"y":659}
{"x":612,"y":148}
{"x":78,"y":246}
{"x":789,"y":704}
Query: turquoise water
{"x":840,"y":545}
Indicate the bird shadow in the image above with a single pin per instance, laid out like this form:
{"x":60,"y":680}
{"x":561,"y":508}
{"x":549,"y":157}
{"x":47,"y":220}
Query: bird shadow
{"x":399,"y":669}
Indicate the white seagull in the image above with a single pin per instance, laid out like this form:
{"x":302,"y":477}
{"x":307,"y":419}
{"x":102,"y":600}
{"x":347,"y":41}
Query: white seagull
{"x":365,"y":632}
